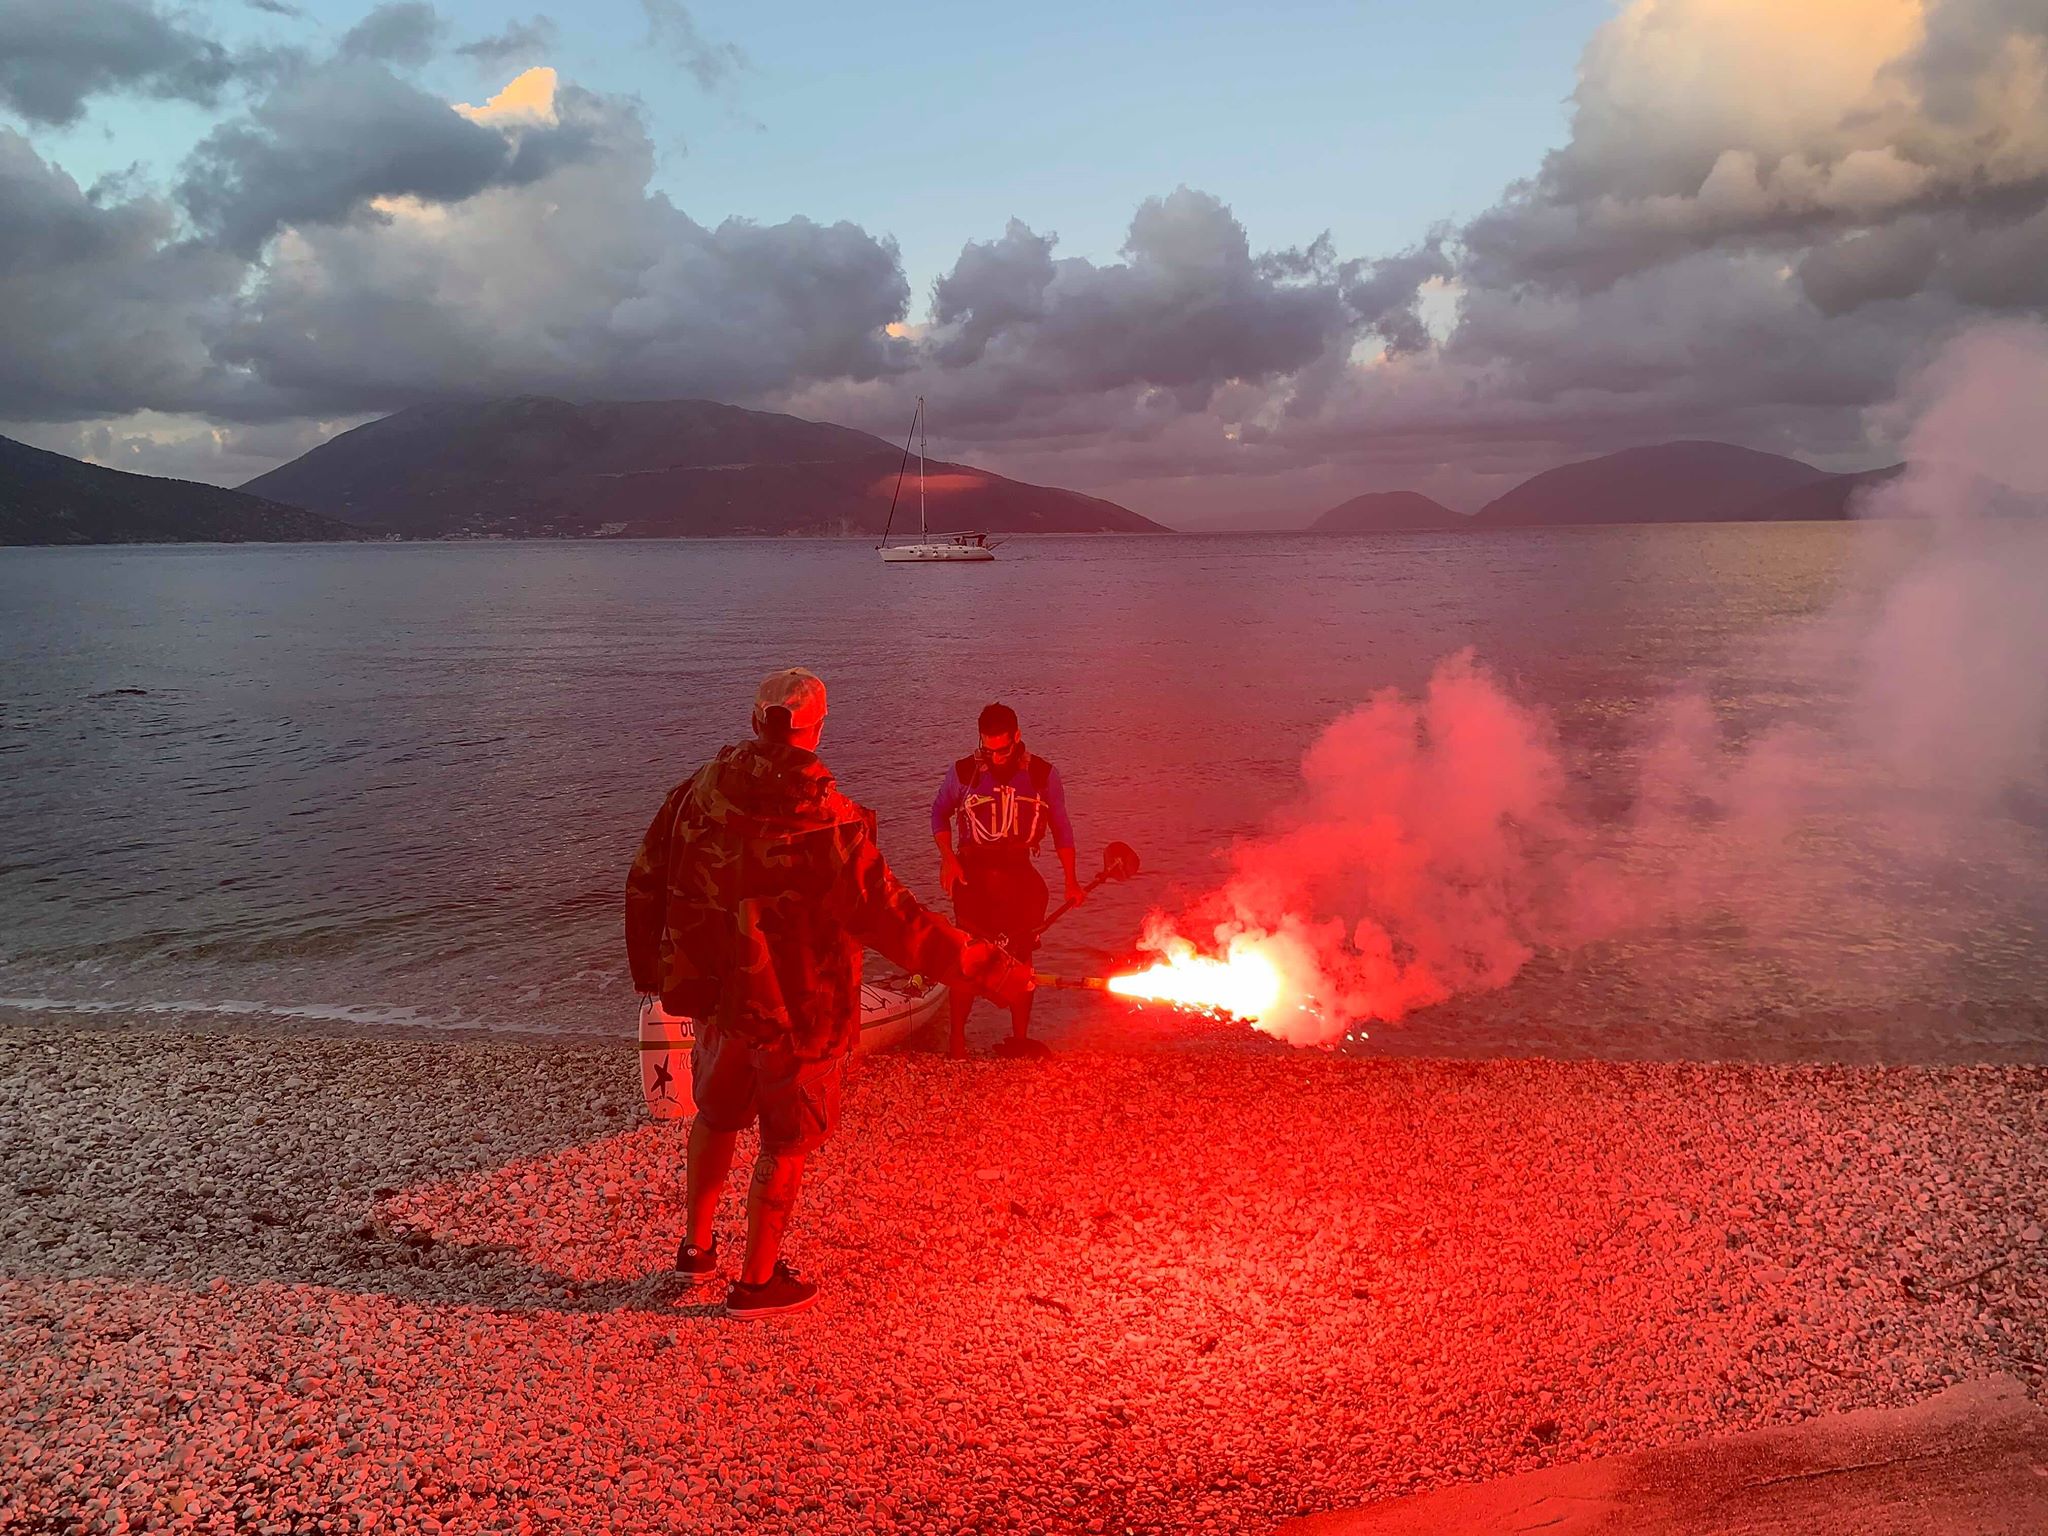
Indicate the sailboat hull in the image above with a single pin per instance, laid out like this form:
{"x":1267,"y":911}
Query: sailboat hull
{"x":907,"y":554}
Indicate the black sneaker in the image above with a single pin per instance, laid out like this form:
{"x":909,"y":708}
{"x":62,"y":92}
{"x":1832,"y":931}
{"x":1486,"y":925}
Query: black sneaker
{"x":780,"y":1292}
{"x":1024,"y":1049}
{"x":697,"y":1264}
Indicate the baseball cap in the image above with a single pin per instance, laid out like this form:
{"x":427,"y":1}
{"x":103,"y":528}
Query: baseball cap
{"x":794,"y":692}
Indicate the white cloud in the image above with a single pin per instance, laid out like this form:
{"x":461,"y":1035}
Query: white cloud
{"x":181,"y":447}
{"x":530,"y":98}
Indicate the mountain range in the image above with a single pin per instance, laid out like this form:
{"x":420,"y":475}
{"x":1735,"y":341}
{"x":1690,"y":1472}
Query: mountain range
{"x":1682,"y":482}
{"x":1687,"y":482}
{"x":1828,"y":500}
{"x":46,"y":498}
{"x":538,"y":467}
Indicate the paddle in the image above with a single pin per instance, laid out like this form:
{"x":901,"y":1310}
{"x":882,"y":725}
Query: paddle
{"x":1119,"y":862}
{"x":1070,"y":983}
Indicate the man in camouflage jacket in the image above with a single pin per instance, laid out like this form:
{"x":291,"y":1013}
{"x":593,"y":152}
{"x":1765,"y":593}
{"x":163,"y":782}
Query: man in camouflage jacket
{"x":747,"y":909}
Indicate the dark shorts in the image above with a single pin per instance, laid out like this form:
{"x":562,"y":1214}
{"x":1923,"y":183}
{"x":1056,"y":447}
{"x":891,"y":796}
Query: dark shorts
{"x":737,"y":1083}
{"x":1002,"y":899}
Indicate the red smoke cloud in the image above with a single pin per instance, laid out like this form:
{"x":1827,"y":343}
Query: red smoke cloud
{"x":1430,"y":852}
{"x":1433,"y":848}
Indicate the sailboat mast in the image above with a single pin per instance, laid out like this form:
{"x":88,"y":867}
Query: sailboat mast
{"x":921,"y":529}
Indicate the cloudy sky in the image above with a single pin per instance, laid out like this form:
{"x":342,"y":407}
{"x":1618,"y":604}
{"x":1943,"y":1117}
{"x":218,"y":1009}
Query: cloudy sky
{"x":1222,"y":272}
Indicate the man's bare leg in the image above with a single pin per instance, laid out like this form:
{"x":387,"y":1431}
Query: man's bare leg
{"x":705,"y":1170}
{"x":959,"y":1000}
{"x":777,"y":1178}
{"x":1020,"y":1019}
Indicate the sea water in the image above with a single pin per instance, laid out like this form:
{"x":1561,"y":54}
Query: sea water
{"x":398,"y":785}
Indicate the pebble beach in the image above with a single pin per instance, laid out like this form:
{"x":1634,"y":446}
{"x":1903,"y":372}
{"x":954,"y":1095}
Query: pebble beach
{"x":251,"y":1283}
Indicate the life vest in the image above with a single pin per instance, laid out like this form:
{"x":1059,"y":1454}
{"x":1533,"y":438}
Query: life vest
{"x":1013,"y":815}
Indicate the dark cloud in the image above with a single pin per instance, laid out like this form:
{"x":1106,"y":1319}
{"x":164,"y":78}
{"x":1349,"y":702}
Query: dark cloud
{"x":2000,"y":266}
{"x":275,"y":8}
{"x":1386,"y":295}
{"x":397,"y":32}
{"x":428,"y":253}
{"x":520,"y":45}
{"x":1707,"y":338}
{"x":1188,"y":309}
{"x":581,"y":282}
{"x":331,"y":139}
{"x":103,"y":307}
{"x":1969,"y":45}
{"x":1193,"y":356}
{"x":57,"y":54}
{"x":1891,"y":262}
{"x":672,"y":29}
{"x":994,"y":286}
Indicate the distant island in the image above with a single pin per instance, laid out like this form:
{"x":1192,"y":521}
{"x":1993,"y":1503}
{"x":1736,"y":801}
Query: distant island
{"x":46,"y":498}
{"x":1683,"y":482}
{"x":1827,"y":500}
{"x":1688,"y":482}
{"x":1389,"y":512}
{"x":538,"y":467}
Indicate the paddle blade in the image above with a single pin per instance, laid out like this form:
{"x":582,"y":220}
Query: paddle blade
{"x":1119,"y":861}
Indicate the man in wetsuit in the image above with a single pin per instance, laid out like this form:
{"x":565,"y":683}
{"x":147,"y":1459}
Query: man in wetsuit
{"x":746,"y":910}
{"x":1001,"y":801}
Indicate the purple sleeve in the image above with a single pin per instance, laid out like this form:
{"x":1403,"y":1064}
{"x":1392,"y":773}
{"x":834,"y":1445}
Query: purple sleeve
{"x":1056,"y":810}
{"x":946,"y":802}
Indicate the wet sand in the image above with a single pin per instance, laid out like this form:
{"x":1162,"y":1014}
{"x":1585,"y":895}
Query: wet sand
{"x":341,"y":1284}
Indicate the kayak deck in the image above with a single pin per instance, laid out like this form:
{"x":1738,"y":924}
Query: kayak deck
{"x":895,"y":1010}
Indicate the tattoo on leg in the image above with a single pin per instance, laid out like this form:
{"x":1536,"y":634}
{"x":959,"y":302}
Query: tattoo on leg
{"x":771,"y":1188}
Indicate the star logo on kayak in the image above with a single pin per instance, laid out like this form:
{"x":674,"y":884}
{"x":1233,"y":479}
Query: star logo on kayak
{"x":662,"y":1081}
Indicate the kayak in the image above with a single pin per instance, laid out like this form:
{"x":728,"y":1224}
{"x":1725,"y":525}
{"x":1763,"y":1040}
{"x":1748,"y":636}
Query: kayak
{"x":892,"y":1010}
{"x":895,"y":1009}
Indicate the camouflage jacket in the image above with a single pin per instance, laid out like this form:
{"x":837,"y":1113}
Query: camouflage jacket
{"x":753,"y":894}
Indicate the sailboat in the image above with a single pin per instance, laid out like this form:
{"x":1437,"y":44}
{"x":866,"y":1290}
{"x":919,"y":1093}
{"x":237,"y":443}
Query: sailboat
{"x":946,"y":547}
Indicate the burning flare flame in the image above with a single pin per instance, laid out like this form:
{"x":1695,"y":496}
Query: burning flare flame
{"x":1245,"y":984}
